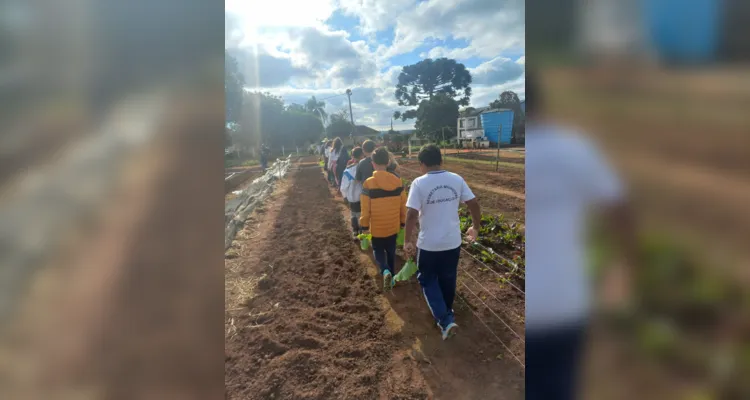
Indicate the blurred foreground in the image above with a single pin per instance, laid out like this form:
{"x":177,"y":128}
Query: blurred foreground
{"x":680,"y":141}
{"x":652,"y":84}
{"x":109,"y":112}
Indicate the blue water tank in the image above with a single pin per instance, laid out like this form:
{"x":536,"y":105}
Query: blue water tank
{"x":498,"y":126}
{"x":684,"y":31}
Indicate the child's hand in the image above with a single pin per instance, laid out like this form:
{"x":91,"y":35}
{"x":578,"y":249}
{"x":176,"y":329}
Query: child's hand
{"x":410,"y":250}
{"x":471,"y":234}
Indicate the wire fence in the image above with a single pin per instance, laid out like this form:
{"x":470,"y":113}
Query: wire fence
{"x":492,"y":295}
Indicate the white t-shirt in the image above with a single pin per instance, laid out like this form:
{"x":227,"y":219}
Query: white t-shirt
{"x":333,"y":156}
{"x":565,"y":176}
{"x":437,"y":195}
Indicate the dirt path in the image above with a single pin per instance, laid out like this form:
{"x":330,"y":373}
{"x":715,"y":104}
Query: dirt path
{"x":310,"y":321}
{"x":488,"y":188}
{"x":313,"y":328}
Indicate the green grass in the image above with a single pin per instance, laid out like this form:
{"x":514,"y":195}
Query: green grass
{"x":485,"y":162}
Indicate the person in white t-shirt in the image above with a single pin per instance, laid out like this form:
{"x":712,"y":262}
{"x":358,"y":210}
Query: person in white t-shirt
{"x":434,"y":199}
{"x":565,"y":177}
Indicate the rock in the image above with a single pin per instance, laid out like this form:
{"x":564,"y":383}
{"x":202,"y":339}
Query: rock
{"x":264,"y":282}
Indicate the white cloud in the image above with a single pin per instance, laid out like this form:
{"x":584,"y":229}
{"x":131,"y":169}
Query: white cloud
{"x":257,"y":14}
{"x":290,"y":51}
{"x":490,"y":26}
{"x":483,"y":95}
{"x":375,"y":15}
{"x":496,"y":71}
{"x":458,"y":53}
{"x":263,"y":70}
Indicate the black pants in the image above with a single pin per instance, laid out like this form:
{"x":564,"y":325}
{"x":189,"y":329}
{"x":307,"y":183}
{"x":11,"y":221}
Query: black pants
{"x":384,"y":250}
{"x":356,"y":211}
{"x":553,"y":359}
{"x":339,"y":174}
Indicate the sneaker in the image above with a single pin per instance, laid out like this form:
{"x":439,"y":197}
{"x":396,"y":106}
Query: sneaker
{"x":449,"y":330}
{"x":387,"y":281}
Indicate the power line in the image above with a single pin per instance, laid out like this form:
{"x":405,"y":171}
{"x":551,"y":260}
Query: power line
{"x":335,"y":95}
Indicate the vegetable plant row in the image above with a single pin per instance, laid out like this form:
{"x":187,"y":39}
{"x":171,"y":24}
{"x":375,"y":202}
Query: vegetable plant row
{"x":501,"y":244}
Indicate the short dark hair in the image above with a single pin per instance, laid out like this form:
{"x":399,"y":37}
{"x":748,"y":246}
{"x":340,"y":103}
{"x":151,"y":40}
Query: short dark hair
{"x":430,"y":155}
{"x":381,"y":157}
{"x":368,"y":146}
{"x":357,"y":152}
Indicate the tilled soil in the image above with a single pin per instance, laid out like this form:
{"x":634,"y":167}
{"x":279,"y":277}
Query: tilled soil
{"x":490,"y":157}
{"x":313,"y":327}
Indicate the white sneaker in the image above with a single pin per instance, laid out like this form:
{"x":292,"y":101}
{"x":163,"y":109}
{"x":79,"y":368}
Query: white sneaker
{"x":449,"y":331}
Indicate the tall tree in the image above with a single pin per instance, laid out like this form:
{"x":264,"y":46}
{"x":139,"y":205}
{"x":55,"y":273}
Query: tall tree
{"x":510,"y":100}
{"x":424,"y":80}
{"x":467,"y":112}
{"x":340,"y":125}
{"x":299,"y":129}
{"x":261,"y":120}
{"x":317,"y":108}
{"x":296,"y":108}
{"x":234,"y":84}
{"x":340,"y":115}
{"x":435,"y":114}
{"x":507,"y":99}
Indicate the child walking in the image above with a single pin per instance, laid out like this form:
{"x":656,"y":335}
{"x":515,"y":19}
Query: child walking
{"x":383,"y":213}
{"x":352,"y":190}
{"x":333,"y":157}
{"x":433,"y":201}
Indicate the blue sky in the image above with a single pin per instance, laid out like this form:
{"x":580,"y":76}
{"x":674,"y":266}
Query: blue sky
{"x":297,"y":49}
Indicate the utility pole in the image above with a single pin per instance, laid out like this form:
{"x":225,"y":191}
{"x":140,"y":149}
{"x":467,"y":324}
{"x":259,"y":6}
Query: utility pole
{"x":497,"y":158}
{"x":351,"y":115}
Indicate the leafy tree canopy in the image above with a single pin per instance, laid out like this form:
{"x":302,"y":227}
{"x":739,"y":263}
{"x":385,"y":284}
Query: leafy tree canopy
{"x":435,"y":114}
{"x":428,"y":78}
{"x":317,"y":108}
{"x":234,"y":83}
{"x":508,"y":99}
{"x":265,"y":119}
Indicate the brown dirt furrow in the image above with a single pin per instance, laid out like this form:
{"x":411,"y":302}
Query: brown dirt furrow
{"x":494,"y":189}
{"x":313,"y":327}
